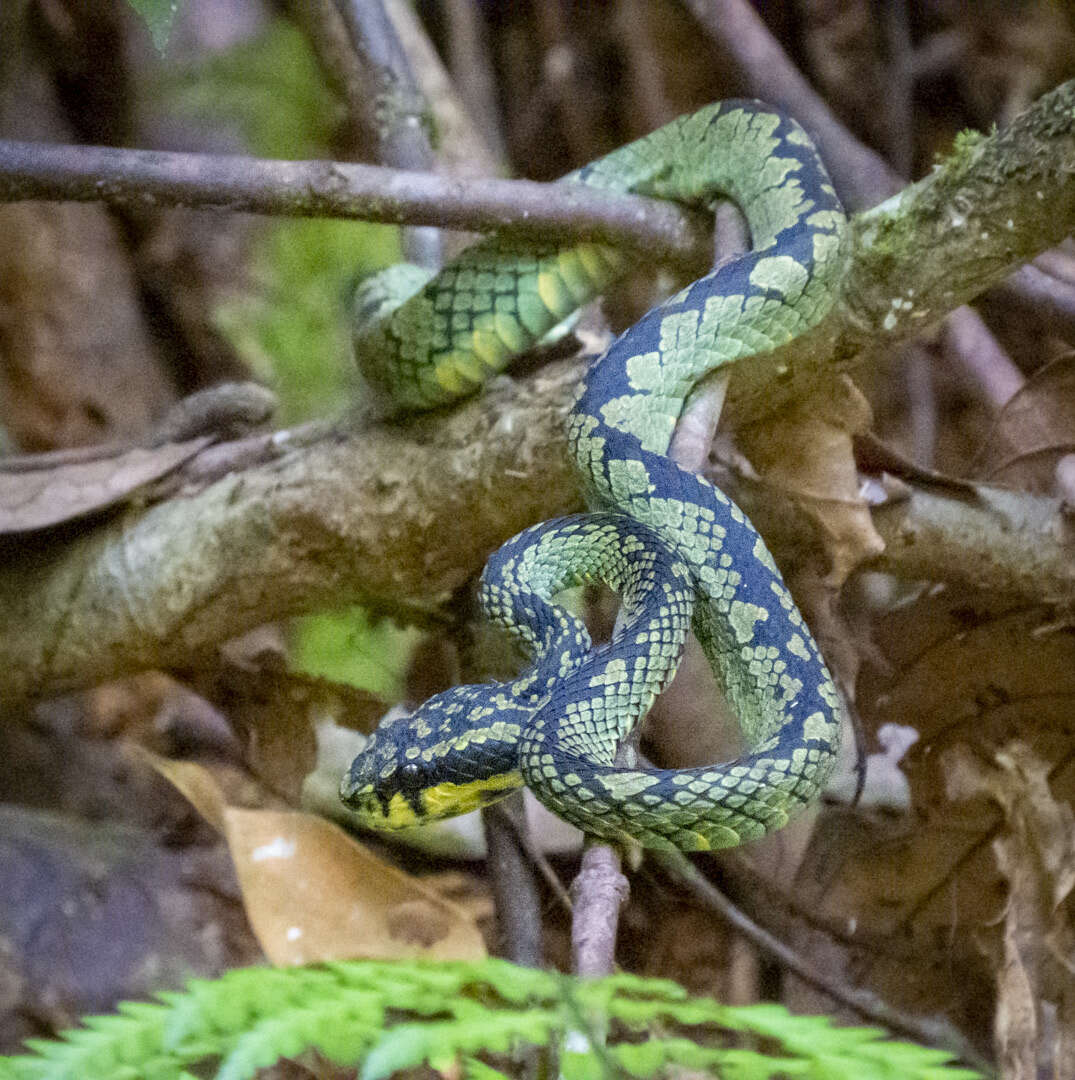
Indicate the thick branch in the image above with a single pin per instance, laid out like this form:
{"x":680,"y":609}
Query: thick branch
{"x":399,"y":516}
{"x":393,"y":517}
{"x":343,"y":190}
{"x":993,"y":204}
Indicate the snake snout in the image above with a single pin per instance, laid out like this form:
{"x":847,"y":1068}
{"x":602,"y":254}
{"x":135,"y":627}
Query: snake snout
{"x":384,"y":789}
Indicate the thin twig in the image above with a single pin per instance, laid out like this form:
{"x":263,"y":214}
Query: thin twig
{"x":861,"y":176}
{"x":598,"y":892}
{"x":518,"y":907}
{"x":987,"y":365}
{"x":863,"y":1002}
{"x":394,"y":107}
{"x":472,"y":69}
{"x":34,"y":171}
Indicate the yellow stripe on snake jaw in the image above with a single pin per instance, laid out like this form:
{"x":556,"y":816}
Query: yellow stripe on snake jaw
{"x":442,"y":800}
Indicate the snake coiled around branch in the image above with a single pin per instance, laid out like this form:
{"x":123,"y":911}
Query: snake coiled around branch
{"x":678,"y":550}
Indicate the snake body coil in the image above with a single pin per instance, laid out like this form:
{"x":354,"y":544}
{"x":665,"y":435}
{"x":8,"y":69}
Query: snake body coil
{"x":678,"y":550}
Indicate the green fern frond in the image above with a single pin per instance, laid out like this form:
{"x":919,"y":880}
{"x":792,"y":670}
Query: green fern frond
{"x":384,"y":1017}
{"x":473,"y":1069}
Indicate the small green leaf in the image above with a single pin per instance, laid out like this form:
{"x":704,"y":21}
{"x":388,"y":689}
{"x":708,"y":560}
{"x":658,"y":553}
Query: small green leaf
{"x":159,"y":16}
{"x":473,"y":1069}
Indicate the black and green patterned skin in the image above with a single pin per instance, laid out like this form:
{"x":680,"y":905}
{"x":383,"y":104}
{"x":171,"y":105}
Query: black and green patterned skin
{"x":691,"y":553}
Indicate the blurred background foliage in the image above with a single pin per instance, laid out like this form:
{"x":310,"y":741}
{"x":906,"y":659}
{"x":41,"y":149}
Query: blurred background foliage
{"x":290,"y":323}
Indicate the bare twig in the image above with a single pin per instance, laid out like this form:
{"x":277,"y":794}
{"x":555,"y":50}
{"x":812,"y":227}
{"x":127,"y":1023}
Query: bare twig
{"x":990,"y":369}
{"x":472,"y":69}
{"x":598,"y":892}
{"x":394,"y":107}
{"x":863,"y":1002}
{"x":518,"y":907}
{"x":462,"y":149}
{"x":344,"y":190}
{"x":362,"y":59}
{"x":861,"y":176}
{"x":697,"y":424}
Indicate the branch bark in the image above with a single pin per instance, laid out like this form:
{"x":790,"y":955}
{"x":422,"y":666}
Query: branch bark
{"x":35,"y":171}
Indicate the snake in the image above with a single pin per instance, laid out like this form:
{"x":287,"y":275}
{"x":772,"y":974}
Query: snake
{"x":681,"y":554}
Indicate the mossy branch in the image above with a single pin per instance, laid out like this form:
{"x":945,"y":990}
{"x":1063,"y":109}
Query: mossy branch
{"x":994,"y":203}
{"x":400,"y":516}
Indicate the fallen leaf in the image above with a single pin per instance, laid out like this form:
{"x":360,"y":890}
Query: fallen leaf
{"x":195,"y":782}
{"x":313,"y":894}
{"x":806,"y":451}
{"x":913,"y":891}
{"x":1030,"y":947}
{"x":38,"y":497}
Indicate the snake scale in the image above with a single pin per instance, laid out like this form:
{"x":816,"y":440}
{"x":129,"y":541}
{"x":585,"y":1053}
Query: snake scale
{"x":681,"y":554}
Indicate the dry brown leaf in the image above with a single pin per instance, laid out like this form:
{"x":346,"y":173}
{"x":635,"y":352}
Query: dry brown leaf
{"x":1034,"y":430}
{"x":36,"y":498}
{"x":195,"y":782}
{"x":806,"y":451}
{"x":917,"y":889}
{"x":1035,"y":853}
{"x":313,"y":894}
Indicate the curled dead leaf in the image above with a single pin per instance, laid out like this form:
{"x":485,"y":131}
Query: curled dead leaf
{"x":49,"y":494}
{"x":806,"y":451}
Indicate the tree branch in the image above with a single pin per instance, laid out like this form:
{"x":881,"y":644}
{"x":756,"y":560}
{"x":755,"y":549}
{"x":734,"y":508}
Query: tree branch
{"x":362,"y":57}
{"x":1009,"y":542}
{"x":33,"y":171}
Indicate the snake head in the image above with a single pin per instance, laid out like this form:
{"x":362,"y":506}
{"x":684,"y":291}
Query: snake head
{"x":382,"y":787}
{"x":452,"y":755}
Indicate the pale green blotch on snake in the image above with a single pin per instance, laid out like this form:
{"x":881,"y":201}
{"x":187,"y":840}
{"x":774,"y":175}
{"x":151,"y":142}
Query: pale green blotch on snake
{"x":678,"y":550}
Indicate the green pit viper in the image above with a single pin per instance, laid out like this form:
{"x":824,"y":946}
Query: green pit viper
{"x":681,"y":554}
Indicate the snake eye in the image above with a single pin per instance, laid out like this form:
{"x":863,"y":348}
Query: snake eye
{"x":410,"y":774}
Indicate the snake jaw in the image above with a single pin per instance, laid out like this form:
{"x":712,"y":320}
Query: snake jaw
{"x":428,"y":766}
